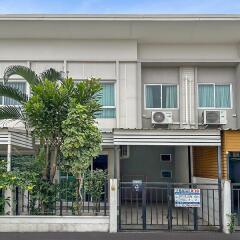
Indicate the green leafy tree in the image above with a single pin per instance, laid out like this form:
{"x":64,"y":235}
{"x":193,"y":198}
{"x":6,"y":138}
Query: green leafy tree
{"x":82,"y":142}
{"x":15,"y":112}
{"x":49,"y":110}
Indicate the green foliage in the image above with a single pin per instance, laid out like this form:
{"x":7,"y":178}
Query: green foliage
{"x":24,"y":179}
{"x":14,"y":112}
{"x":63,"y":114}
{"x":82,"y":138}
{"x":43,"y":197}
{"x":13,"y":93}
{"x":11,"y":112}
{"x":9,"y":179}
{"x":48,"y":108}
{"x":232,"y":223}
{"x":94,"y":184}
{"x":29,"y":75}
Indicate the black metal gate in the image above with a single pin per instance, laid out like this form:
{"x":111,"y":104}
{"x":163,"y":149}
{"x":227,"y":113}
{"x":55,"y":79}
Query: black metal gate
{"x":151,"y":206}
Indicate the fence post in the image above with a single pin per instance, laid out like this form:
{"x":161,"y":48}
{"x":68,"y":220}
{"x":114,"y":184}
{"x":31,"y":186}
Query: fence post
{"x":169,"y":199}
{"x":8,"y":194}
{"x":226,"y":204}
{"x":113,"y":190}
{"x":17,"y":201}
{"x":144,"y":220}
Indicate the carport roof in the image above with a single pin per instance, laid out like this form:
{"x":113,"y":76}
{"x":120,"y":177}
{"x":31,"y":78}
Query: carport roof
{"x":179,"y":137}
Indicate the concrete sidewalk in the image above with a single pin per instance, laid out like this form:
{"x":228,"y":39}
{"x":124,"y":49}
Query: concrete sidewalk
{"x":120,"y":236}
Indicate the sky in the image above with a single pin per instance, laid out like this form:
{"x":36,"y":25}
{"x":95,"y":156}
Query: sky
{"x":120,"y":6}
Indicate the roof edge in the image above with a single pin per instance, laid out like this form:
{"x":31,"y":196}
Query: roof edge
{"x":123,"y":17}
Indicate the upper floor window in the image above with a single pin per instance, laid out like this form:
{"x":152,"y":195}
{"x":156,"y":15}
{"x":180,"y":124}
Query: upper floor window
{"x":214,"y":95}
{"x":20,"y":86}
{"x":161,"y":96}
{"x":107,"y":100}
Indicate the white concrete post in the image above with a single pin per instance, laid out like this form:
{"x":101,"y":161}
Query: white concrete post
{"x":8,"y":193}
{"x":113,"y":205}
{"x":226,"y":204}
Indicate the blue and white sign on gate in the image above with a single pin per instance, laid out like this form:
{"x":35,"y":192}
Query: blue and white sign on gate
{"x":187,"y":197}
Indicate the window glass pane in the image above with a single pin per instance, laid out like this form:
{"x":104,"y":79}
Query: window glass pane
{"x":169,"y":96}
{"x":19,"y":85}
{"x":107,"y":94}
{"x":107,"y":113}
{"x":206,"y":95}
{"x":153,"y":96}
{"x":222,"y":96}
{"x":107,"y":99}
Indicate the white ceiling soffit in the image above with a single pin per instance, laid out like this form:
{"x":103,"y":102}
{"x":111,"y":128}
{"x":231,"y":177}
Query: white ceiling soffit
{"x":143,"y":28}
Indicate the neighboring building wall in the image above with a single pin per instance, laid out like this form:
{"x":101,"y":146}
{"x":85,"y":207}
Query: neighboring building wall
{"x":230,"y":143}
{"x":205,"y":162}
{"x":144,"y":163}
{"x":181,"y":165}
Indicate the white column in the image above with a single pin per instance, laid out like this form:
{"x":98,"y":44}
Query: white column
{"x":226,"y":204}
{"x":8,"y":193}
{"x":113,"y":206}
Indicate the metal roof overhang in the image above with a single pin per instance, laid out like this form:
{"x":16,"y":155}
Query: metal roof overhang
{"x":18,"y":138}
{"x":167,"y":137}
{"x":15,"y":137}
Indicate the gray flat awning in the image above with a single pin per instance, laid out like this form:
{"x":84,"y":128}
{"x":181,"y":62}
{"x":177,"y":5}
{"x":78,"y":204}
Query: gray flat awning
{"x":158,"y":137}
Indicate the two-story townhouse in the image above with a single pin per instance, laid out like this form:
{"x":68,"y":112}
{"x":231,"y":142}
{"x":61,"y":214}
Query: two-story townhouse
{"x":170,"y":100}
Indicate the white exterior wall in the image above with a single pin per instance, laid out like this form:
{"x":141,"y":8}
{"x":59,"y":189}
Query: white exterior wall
{"x":188,"y":52}
{"x":128,"y":95}
{"x":181,"y":165}
{"x":116,"y":61}
{"x":50,"y":49}
{"x":54,"y":224}
{"x":82,"y":59}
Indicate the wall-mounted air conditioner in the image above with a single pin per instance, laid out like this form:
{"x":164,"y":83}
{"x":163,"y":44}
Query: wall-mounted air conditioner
{"x":217,"y":117}
{"x":162,"y":117}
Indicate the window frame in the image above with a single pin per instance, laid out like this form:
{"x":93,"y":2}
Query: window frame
{"x":214,"y":90}
{"x":160,"y":84}
{"x":15,"y":80}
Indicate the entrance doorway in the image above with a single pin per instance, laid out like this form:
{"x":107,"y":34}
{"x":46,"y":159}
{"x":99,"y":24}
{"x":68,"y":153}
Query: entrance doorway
{"x":100,"y":162}
{"x":234,"y":167}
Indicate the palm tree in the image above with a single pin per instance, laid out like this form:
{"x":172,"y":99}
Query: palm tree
{"x":15,"y":112}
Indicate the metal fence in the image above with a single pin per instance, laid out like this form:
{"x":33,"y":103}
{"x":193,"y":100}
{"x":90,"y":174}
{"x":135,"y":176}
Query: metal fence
{"x":151,"y":206}
{"x":235,"y":200}
{"x":62,"y":199}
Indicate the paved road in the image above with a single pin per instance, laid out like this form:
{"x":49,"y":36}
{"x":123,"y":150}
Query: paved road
{"x":120,"y":236}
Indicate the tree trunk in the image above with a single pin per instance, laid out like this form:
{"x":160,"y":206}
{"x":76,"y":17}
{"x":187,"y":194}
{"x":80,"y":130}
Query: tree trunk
{"x":53,"y":163}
